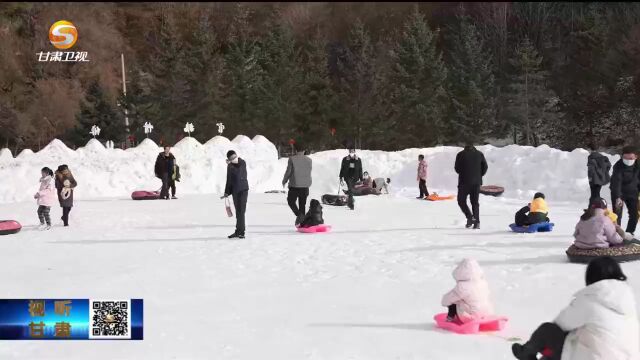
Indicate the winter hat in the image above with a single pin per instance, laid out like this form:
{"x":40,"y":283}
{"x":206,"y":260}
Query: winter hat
{"x":231,"y":155}
{"x":62,"y":168}
{"x":538,"y":195}
{"x":598,"y":203}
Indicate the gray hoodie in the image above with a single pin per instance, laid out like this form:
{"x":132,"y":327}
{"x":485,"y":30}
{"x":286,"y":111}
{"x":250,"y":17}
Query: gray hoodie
{"x":298,"y":172}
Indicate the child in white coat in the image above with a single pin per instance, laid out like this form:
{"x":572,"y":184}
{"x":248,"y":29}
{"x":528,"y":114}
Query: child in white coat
{"x":601,"y":323}
{"x":46,"y":197}
{"x":470,"y":298}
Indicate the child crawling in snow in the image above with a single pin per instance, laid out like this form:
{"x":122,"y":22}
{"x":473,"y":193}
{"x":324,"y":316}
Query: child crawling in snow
{"x":313,"y":216}
{"x":536,"y":212}
{"x":470,"y":298}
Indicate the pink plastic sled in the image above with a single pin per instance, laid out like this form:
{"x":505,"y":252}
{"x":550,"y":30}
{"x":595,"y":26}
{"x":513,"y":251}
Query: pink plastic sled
{"x":8,"y":227}
{"x":492,"y":323}
{"x":315,"y":229}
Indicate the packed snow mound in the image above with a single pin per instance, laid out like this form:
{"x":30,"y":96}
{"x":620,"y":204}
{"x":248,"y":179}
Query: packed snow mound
{"x":25,"y":154}
{"x":101,"y":172}
{"x":5,"y":155}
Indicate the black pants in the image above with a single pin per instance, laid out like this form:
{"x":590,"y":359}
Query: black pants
{"x":548,"y":339}
{"x":351,"y":184}
{"x":423,"y":188}
{"x":240,"y":203}
{"x":473,"y":192}
{"x":43,"y":214}
{"x":65,"y":215}
{"x":172,"y":185}
{"x":298,"y":195}
{"x":595,"y":191}
{"x":632,"y":208}
{"x":452,"y":311}
{"x":164,"y":193}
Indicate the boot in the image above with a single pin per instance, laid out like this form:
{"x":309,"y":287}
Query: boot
{"x":234,"y":235}
{"x":476,"y":225}
{"x":470,"y":222}
{"x":520,"y":352}
{"x":299,"y":219}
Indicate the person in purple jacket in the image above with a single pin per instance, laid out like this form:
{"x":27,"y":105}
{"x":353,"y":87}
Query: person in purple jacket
{"x":595,"y":229}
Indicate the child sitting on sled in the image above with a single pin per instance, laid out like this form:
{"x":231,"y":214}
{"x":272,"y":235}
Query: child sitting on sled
{"x":535,"y":212}
{"x":470,"y":299}
{"x":627,"y":237}
{"x":313,"y":216}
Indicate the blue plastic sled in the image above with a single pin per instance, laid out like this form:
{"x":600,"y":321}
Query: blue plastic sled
{"x":539,"y":227}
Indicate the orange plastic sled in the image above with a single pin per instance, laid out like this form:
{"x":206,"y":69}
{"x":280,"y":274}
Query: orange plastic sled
{"x":436,"y":197}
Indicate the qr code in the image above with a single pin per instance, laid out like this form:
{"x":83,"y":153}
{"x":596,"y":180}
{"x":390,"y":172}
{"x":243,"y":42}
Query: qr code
{"x":109,"y":319}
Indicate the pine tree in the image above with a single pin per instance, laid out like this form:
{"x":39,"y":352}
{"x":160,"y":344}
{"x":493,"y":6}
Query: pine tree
{"x":358,"y":83}
{"x":471,"y":85}
{"x":242,"y":78}
{"x":279,"y":103}
{"x":319,"y":100}
{"x":96,"y":110}
{"x":418,"y":77}
{"x":531,"y":103}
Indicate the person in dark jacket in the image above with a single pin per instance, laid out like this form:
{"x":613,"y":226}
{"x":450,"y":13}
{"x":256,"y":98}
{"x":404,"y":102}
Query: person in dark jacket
{"x":351,"y":172}
{"x":238,"y":187}
{"x":598,"y":167}
{"x":314,"y":216}
{"x":164,"y":170}
{"x":298,"y":175}
{"x":471,"y":166}
{"x":625,"y":187}
{"x":65,"y":183}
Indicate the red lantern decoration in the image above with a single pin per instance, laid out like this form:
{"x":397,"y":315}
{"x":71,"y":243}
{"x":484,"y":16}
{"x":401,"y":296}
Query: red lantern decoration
{"x":292,"y":142}
{"x":333,"y":131}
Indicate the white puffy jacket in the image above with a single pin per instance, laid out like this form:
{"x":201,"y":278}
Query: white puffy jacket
{"x":602,"y":322}
{"x":471,"y":294}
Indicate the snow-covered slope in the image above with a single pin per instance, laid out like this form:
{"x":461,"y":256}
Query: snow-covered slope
{"x":102,"y":172}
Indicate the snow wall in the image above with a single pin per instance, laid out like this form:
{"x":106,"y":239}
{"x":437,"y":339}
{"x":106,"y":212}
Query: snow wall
{"x":102,"y":172}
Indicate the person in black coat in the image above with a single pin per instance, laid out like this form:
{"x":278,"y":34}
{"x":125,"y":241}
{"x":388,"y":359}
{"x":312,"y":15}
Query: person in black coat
{"x":164,"y":170}
{"x":625,"y":187}
{"x":238,"y":187}
{"x":598,"y":167}
{"x":471,"y":166}
{"x":65,"y":183}
{"x":314,"y":215}
{"x":351,"y":172}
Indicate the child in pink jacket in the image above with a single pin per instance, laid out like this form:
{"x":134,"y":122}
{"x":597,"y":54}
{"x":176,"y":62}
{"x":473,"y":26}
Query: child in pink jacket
{"x":470,"y":298}
{"x":46,"y":197}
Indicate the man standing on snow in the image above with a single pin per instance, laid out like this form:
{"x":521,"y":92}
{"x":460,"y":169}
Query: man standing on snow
{"x":238,"y":187}
{"x":351,"y":172}
{"x":422,"y":177}
{"x":164,"y":170}
{"x":471,"y":166}
{"x":598,"y":167}
{"x":298,"y":175}
{"x":625,"y":187}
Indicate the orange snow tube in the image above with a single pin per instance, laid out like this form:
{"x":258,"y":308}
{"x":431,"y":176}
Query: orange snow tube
{"x":436,"y":197}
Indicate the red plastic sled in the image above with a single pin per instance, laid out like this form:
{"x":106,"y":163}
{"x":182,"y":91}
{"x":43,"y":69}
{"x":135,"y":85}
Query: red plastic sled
{"x":492,"y":323}
{"x":8,"y":227}
{"x":436,"y":197}
{"x":315,"y":229}
{"x":145,"y":195}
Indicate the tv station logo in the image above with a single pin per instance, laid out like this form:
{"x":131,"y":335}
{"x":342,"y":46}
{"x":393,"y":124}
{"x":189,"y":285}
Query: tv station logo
{"x":63,"y":35}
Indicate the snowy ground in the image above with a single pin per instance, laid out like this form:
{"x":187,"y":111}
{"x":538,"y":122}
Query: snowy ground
{"x":368,"y":290}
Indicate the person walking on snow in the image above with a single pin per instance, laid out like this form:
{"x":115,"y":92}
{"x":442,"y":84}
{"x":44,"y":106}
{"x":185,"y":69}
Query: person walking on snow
{"x":601,"y":323}
{"x":298,"y":175}
{"x":46,"y":196}
{"x":625,"y":187}
{"x":351,"y":172}
{"x":164,"y":170}
{"x":598,"y":167}
{"x":238,"y":188}
{"x":65,"y":183}
{"x":422,"y":177}
{"x":471,"y":166}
